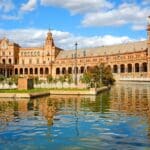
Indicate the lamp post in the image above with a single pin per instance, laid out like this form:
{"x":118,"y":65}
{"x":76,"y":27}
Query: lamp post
{"x":72,"y":71}
{"x":76,"y":82}
{"x":84,"y":54}
{"x":6,"y":66}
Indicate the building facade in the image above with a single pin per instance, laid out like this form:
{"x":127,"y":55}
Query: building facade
{"x":130,"y":60}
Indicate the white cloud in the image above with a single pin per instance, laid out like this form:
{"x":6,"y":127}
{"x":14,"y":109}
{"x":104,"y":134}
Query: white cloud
{"x":9,"y":17}
{"x":6,"y":5}
{"x":146,"y":2}
{"x":79,"y":6}
{"x":66,"y":40}
{"x":29,"y":6}
{"x":126,"y":13}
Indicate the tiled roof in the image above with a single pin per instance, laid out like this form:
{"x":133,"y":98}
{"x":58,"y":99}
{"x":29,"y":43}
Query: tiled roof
{"x":31,"y":48}
{"x":105,"y":50}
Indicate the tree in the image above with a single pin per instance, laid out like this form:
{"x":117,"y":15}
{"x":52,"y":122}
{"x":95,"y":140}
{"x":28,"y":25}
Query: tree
{"x":98,"y":76}
{"x":62,"y":79}
{"x":2,"y":78}
{"x":10,"y":83}
{"x":49,"y":78}
{"x":14,"y":79}
{"x":86,"y":78}
{"x":54,"y":81}
{"x":107,"y":78}
{"x":69,"y":78}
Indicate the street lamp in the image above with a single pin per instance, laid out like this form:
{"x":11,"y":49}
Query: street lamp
{"x":84,"y":54}
{"x":76,"y":44}
{"x":6,"y":57}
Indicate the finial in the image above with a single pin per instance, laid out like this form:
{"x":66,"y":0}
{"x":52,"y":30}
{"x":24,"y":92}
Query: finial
{"x":49,"y":29}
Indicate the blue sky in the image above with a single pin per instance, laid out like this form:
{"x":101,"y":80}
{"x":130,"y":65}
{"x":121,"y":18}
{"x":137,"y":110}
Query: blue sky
{"x":91,"y":23}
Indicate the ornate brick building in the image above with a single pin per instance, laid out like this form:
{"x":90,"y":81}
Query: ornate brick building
{"x":126,"y":60}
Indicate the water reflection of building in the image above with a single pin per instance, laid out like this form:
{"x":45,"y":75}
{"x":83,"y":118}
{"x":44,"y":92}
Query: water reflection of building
{"x":132,"y":99}
{"x":10,"y":108}
{"x":43,"y":106}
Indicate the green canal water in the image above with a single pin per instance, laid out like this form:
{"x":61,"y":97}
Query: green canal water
{"x":118,"y":119}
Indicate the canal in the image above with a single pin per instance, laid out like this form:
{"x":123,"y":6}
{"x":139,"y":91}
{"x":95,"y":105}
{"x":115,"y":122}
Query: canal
{"x":114,"y":120}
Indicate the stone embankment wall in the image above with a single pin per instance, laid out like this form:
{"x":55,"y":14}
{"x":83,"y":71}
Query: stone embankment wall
{"x":45,"y":85}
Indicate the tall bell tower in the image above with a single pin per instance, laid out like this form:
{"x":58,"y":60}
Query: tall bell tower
{"x":49,"y":40}
{"x":49,"y":47}
{"x":148,"y":43}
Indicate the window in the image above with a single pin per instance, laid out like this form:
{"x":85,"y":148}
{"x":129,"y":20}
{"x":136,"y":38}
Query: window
{"x":3,"y":61}
{"x":9,"y":61}
{"x":37,"y":61}
{"x":23,"y":61}
{"x":30,"y":61}
{"x":16,"y":61}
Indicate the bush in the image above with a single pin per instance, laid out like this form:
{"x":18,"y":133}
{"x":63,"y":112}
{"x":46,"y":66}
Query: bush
{"x":98,"y":76}
{"x":14,"y":79}
{"x":49,"y":78}
{"x":2,"y":78}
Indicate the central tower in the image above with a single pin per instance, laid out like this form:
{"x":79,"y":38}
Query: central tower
{"x":49,"y":48}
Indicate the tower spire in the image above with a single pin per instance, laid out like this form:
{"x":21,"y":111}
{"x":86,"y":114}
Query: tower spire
{"x":49,"y":39}
{"x":49,"y":29}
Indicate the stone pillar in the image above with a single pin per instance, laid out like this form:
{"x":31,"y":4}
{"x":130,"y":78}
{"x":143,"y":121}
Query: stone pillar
{"x":119,"y":68}
{"x":126,"y":68}
{"x":60,"y":71}
{"x":140,"y":67}
{"x":22,"y":71}
{"x":133,"y":69}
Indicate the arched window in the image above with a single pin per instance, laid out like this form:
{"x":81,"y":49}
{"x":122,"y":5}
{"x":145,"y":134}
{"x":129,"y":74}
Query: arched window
{"x":122,"y":68}
{"x":36,"y":70}
{"x":144,"y":67}
{"x":136,"y":67}
{"x":3,"y":61}
{"x":82,"y":69}
{"x":26,"y":70}
{"x":57,"y":70}
{"x":70,"y":70}
{"x":16,"y":71}
{"x":21,"y":71}
{"x":31,"y":70}
{"x":46,"y":71}
{"x":41,"y":70}
{"x":129,"y":68}
{"x":63,"y":70}
{"x":9,"y":61}
{"x":115,"y":69}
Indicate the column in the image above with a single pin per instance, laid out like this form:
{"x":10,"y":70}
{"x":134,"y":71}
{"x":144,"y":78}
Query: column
{"x":118,"y":68}
{"x":133,"y":69}
{"x":140,"y":67}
